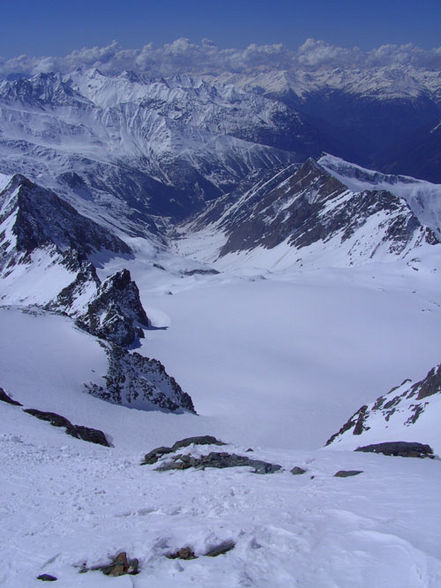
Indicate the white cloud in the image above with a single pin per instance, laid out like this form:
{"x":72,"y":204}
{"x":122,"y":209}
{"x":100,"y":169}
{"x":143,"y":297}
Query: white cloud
{"x":184,"y":56}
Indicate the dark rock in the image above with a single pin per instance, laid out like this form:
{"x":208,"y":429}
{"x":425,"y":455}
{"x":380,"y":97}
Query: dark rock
{"x":183,"y":553}
{"x":297,"y":471}
{"x":47,"y":578}
{"x":5,"y":398}
{"x":85,"y":280}
{"x":116,"y":313}
{"x":220,"y":549}
{"x":347,"y":473}
{"x":303,"y":206}
{"x":360,"y":426}
{"x":53,"y":418}
{"x":88,"y":434}
{"x":350,"y":423}
{"x":430,"y":385}
{"x":201,"y":440}
{"x":218,"y":460}
{"x":155,"y":454}
{"x":395,"y":404}
{"x":249,"y":450}
{"x":201,"y":272}
{"x":77,"y":431}
{"x":140,"y":382}
{"x":399,"y":449}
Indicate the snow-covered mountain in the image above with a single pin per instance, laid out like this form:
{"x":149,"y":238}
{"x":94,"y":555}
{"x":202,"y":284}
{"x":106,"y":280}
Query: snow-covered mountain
{"x":130,"y":147}
{"x":408,"y":412}
{"x":189,"y":212}
{"x":326,"y":212}
{"x":137,"y":147}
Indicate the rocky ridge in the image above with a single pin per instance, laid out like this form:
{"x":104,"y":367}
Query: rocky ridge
{"x":406,"y":411}
{"x":33,"y":217}
{"x":311,"y":211}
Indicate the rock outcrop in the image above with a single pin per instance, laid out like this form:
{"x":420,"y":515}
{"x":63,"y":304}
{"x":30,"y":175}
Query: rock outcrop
{"x":312,"y":212}
{"x":399,"y":449}
{"x":155,"y":454}
{"x":116,"y":313}
{"x":78,"y":431}
{"x":347,"y":473}
{"x":140,"y":382}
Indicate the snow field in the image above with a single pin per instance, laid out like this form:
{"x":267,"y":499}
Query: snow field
{"x":82,"y":504}
{"x":297,"y":356}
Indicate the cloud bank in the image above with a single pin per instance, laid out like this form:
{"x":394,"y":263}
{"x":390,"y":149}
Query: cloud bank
{"x":184,"y":56}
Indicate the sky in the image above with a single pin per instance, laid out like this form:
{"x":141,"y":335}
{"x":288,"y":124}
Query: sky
{"x":54,"y":27}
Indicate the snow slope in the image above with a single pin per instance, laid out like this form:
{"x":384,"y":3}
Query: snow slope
{"x":408,"y":411}
{"x":66,"y":502}
{"x":275,"y":364}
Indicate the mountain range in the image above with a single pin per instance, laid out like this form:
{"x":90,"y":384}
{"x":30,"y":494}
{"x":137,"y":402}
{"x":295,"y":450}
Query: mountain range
{"x":252,"y":254}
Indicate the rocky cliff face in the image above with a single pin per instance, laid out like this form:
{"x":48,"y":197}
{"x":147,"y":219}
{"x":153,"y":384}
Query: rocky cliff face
{"x":32,"y":217}
{"x":110,"y":310}
{"x":115,"y":313}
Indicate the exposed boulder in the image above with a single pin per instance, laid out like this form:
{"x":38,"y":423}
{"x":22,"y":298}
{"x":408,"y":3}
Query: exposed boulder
{"x":200,"y":440}
{"x":47,"y":578}
{"x":297,"y":471}
{"x":182,"y":553}
{"x":77,"y":431}
{"x":347,"y":473}
{"x":399,"y":449}
{"x":139,"y":382}
{"x":155,"y":455}
{"x":221,"y":548}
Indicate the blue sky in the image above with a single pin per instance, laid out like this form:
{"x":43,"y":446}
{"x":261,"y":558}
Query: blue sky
{"x":56,"y":27}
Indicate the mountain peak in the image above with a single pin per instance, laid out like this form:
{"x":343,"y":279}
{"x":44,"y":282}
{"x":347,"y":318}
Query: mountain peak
{"x":41,"y":218}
